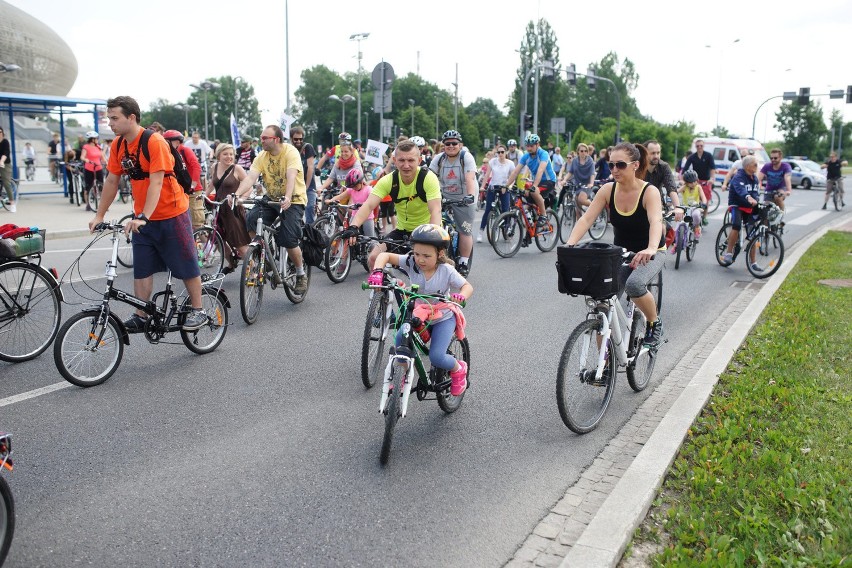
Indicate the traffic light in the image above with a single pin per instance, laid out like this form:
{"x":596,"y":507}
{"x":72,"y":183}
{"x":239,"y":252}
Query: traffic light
{"x":590,"y":77}
{"x":572,"y":74}
{"x":528,"y":121}
{"x":849,"y":94}
{"x":804,"y":96}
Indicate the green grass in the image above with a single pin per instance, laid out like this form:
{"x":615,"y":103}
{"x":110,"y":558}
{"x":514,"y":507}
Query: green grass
{"x":764,"y":475}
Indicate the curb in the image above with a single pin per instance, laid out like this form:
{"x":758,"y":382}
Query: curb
{"x":67,"y":234}
{"x":606,"y":537}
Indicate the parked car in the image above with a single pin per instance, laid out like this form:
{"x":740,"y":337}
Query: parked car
{"x":806,"y":173}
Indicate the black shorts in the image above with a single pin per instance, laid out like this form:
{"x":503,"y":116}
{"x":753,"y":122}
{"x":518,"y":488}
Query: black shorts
{"x":90,"y":177}
{"x":398,"y":235}
{"x":387,"y":209}
{"x":289,"y":233}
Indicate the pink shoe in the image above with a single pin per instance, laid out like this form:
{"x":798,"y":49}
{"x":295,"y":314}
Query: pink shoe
{"x":459,"y":379}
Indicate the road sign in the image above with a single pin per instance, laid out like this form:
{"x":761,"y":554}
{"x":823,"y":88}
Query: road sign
{"x":387,"y":127}
{"x":378,"y":105}
{"x":557,"y":125}
{"x":376,"y":76}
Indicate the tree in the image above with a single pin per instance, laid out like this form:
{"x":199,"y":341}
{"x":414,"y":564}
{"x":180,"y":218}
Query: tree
{"x":164,"y":112}
{"x":538,"y":46}
{"x":222,"y":101}
{"x":802,"y":127}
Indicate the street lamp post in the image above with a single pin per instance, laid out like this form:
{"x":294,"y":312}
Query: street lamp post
{"x":358,"y":38}
{"x":437,"y":127}
{"x":719,"y":88}
{"x":411,"y":106}
{"x":237,"y":96}
{"x":215,"y":114}
{"x":185,"y":108}
{"x":342,"y":100}
{"x":366,"y":126}
{"x":206,"y":86}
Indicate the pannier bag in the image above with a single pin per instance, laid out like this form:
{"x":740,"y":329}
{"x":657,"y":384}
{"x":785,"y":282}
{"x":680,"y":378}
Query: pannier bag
{"x":589,"y":269}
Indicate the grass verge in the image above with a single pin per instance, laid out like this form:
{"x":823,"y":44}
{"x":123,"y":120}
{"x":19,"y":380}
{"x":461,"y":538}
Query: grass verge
{"x":764,"y":475}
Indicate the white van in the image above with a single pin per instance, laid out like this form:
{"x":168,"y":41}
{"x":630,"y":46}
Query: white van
{"x":726,"y":151}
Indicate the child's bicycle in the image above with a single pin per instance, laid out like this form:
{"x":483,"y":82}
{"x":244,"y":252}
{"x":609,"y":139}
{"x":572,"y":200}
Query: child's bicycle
{"x":684,"y":236}
{"x":763,"y":246}
{"x":89,"y":346}
{"x":408,"y":358}
{"x":518,"y":227}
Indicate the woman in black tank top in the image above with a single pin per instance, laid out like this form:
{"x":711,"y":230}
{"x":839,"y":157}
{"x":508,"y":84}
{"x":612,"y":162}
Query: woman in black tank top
{"x":636,"y":213}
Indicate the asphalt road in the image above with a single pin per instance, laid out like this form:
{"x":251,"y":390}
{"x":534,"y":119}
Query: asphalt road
{"x":265,"y":452}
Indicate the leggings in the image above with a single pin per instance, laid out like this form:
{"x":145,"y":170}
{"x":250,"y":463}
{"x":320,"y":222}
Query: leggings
{"x":635,"y":281}
{"x":442,"y":334}
{"x":489,"y":198}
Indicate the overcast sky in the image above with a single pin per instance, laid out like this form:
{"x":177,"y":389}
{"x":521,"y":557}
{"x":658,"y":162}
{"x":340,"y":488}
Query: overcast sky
{"x":781,"y":47}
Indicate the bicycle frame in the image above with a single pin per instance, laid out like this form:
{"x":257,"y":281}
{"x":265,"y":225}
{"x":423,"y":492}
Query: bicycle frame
{"x":614,"y":320}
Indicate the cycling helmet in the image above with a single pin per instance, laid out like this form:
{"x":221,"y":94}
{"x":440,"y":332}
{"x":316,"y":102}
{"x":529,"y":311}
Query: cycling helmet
{"x":512,"y":142}
{"x":345,"y":137}
{"x":356,"y":141}
{"x":689,"y":176}
{"x":532,"y":139}
{"x":173,"y":135}
{"x":418,"y":141}
{"x":354,"y":177}
{"x":92,"y":134}
{"x":451,"y":135}
{"x":429,"y":234}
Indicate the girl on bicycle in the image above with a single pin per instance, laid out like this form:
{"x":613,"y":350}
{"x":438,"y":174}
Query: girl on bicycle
{"x":496,"y":175}
{"x":636,"y":213}
{"x":357,"y":192}
{"x":694,"y":198}
{"x":428,"y":266}
{"x":93,"y":159}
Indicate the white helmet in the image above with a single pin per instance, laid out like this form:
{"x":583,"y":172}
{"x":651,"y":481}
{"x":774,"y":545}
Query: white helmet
{"x":92,"y":134}
{"x":418,"y":141}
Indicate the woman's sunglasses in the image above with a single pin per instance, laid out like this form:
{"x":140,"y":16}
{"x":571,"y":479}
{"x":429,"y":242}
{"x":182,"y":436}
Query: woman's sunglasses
{"x":621,"y":165}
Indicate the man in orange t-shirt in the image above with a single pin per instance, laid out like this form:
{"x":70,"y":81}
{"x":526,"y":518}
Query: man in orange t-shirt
{"x":162,"y":228}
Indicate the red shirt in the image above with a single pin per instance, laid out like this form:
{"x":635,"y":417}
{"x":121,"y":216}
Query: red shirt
{"x":192,"y":165}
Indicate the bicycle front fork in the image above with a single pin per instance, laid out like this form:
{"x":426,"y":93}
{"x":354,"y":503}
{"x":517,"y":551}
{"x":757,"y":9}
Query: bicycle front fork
{"x":404,"y":362}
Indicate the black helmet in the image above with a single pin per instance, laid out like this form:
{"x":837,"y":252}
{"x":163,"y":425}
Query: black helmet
{"x":450,"y":135}
{"x":430,"y":234}
{"x":689,"y":176}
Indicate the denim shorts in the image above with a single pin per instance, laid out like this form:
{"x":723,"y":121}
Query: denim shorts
{"x":165,"y":245}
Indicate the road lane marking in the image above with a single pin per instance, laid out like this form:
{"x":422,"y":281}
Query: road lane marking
{"x":78,"y":250}
{"x":809,"y":218}
{"x":33,"y":393}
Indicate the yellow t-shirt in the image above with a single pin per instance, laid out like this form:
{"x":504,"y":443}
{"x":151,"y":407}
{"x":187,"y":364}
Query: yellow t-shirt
{"x":690,"y":195}
{"x":274,"y":172}
{"x":412,"y":212}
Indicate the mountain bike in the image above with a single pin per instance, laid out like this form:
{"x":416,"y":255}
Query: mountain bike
{"x":595,"y":351}
{"x":90,"y":344}
{"x":569,"y":211}
{"x":518,"y":227}
{"x":409,"y":358}
{"x":448,"y":220}
{"x":7,"y":504}
{"x":95,"y":193}
{"x":331,"y":217}
{"x":30,"y":307}
{"x":763,"y":246}
{"x":266,"y":261}
{"x":30,"y":169}
{"x":774,"y":216}
{"x":339,"y":253}
{"x":836,"y":197}
{"x":496,"y":208}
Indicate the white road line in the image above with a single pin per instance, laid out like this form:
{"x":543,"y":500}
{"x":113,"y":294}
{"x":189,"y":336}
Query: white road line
{"x":809,"y":218}
{"x":33,"y":393}
{"x":73,"y":250}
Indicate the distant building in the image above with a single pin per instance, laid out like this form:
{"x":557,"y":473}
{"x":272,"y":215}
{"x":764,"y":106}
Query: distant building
{"x":47,"y":64}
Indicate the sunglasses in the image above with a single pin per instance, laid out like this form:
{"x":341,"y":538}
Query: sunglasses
{"x":621,"y":165}
{"x":297,"y":139}
{"x":501,"y":151}
{"x":774,"y":158}
{"x":451,"y":143}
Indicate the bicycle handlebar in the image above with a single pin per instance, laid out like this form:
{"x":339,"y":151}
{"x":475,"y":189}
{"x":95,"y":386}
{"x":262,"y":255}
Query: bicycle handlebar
{"x":394,"y":284}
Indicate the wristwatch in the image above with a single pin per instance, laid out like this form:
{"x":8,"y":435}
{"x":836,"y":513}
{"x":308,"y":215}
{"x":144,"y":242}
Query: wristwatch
{"x":142,"y":217}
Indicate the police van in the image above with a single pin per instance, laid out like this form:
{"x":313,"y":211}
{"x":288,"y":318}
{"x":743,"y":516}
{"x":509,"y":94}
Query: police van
{"x":726,"y":151}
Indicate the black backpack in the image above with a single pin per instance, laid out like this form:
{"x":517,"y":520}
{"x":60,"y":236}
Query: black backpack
{"x":418,"y":186}
{"x":314,"y":243}
{"x":181,"y":174}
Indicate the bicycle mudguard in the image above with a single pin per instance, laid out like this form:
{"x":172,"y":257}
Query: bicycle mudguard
{"x":215,"y":290}
{"x":41,"y":270}
{"x":125,"y":337}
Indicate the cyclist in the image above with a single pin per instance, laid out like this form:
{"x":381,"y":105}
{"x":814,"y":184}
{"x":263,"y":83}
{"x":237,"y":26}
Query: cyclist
{"x":93,"y":165}
{"x":281,"y":167}
{"x":196,"y":201}
{"x":636,"y":214}
{"x":357,"y":192}
{"x":539,"y":165}
{"x":225,"y":178}
{"x":334,"y":153}
{"x":834,"y":177}
{"x":346,"y":162}
{"x":415,"y":191}
{"x":512,"y":152}
{"x":162,"y":229}
{"x":704,"y":165}
{"x":308,"y":155}
{"x":202,"y":151}
{"x":429,"y":268}
{"x":497,"y":173}
{"x":29,"y":158}
{"x":583,"y":171}
{"x":456,"y":169}
{"x":743,"y":192}
{"x":693,"y":197}
{"x":778,"y":177}
{"x":6,"y":172}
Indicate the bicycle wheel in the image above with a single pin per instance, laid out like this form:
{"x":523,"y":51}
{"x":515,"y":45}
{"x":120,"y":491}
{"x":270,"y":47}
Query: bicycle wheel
{"x":722,"y":244}
{"x":392,"y":411}
{"x":655,"y":287}
{"x":640,"y":369}
{"x":581,"y":397}
{"x":290,"y":281}
{"x":566,"y":222}
{"x":546,"y":239}
{"x":94,"y":196}
{"x":252,"y":281}
{"x":125,"y":247}
{"x":715,"y":200}
{"x":680,"y":243}
{"x":598,"y":228}
{"x":835,"y":197}
{"x":377,"y":328}
{"x":207,"y":338}
{"x":210,"y":248}
{"x":493,"y":215}
{"x":7,"y":519}
{"x":30,"y":311}
{"x":727,"y":219}
{"x":764,"y":254}
{"x":460,"y":349}
{"x":691,"y":245}
{"x":87,"y":352}
{"x":507,"y":234}
{"x":338,"y":259}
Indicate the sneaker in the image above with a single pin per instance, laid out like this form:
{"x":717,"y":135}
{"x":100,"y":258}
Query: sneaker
{"x":653,"y":334}
{"x":463,"y":269}
{"x":728,"y":258}
{"x":541,"y":221}
{"x":825,"y":205}
{"x":301,"y":284}
{"x":459,"y":379}
{"x":704,"y":222}
{"x":13,"y":208}
{"x":195,"y":320}
{"x":479,"y":236}
{"x":135,"y":324}
{"x":756,"y":268}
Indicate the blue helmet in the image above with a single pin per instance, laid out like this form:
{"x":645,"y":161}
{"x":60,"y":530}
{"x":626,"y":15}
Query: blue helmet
{"x":532,"y":139}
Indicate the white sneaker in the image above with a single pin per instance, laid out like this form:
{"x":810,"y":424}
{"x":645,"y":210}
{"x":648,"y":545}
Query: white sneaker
{"x":13,"y":208}
{"x":479,"y":236}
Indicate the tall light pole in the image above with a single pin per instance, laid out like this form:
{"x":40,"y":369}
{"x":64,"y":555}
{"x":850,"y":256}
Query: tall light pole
{"x":185,"y":108}
{"x":206,"y":86}
{"x":456,"y":100}
{"x":411,"y":107}
{"x":721,"y":63}
{"x":237,"y":96}
{"x":342,"y":100}
{"x":287,"y":50}
{"x":358,"y":38}
{"x":215,"y":114}
{"x":437,"y":126}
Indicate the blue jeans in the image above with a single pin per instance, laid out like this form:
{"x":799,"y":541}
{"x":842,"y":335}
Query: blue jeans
{"x":489,"y":198}
{"x":311,"y":207}
{"x":442,"y":333}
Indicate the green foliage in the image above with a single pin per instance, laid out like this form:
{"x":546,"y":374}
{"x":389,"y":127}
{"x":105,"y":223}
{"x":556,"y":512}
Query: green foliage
{"x":763,"y":478}
{"x":802,"y":127}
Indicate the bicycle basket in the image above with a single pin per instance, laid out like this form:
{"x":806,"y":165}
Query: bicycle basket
{"x":588,"y":270}
{"x":773,"y":214}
